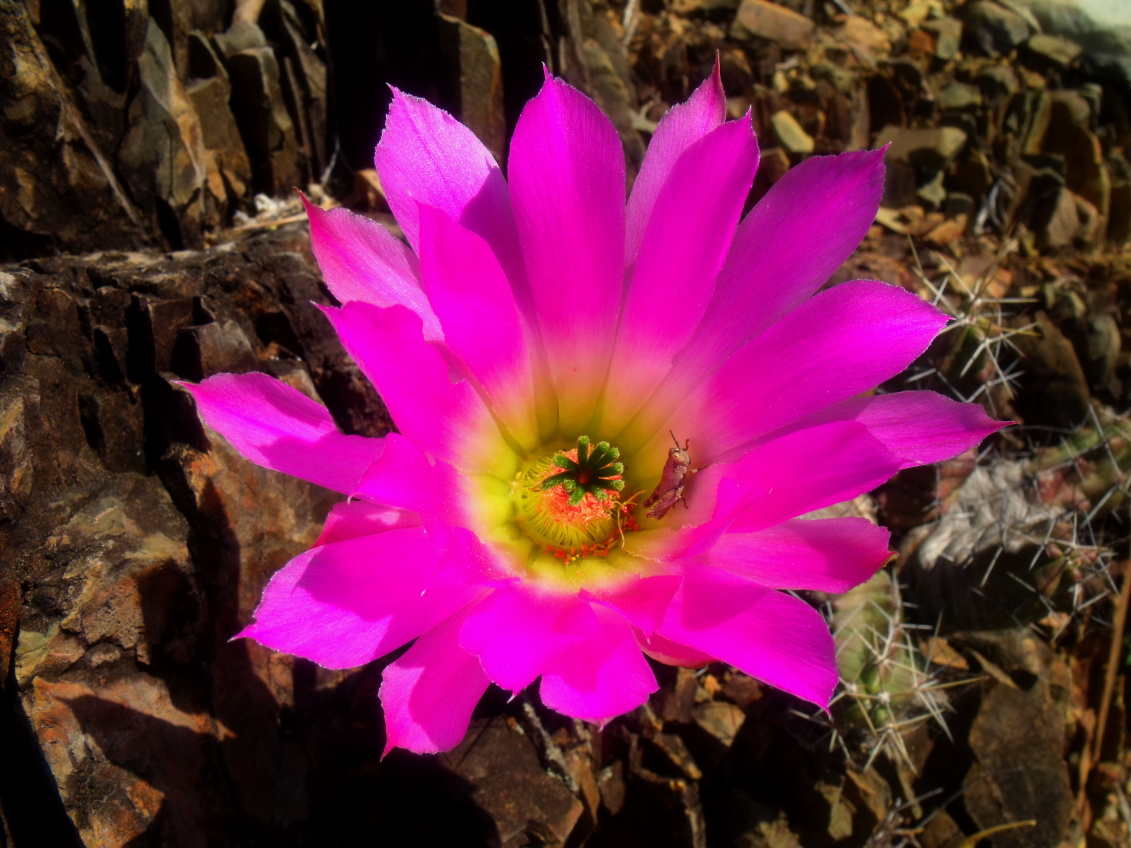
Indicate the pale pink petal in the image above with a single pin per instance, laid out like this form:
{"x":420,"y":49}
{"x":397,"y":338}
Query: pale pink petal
{"x":599,"y":677}
{"x":668,"y":652}
{"x":351,"y":519}
{"x":684,"y":246}
{"x":428,"y":694}
{"x":566,"y":173}
{"x":336,"y":604}
{"x":448,"y":420}
{"x":403,"y":477}
{"x":481,"y":322}
{"x":426,"y":156}
{"x":840,"y":343}
{"x":361,"y":260}
{"x":918,"y":427}
{"x":280,"y":428}
{"x":827,"y":555}
{"x":517,"y":629}
{"x":681,"y":127}
{"x":771,"y":636}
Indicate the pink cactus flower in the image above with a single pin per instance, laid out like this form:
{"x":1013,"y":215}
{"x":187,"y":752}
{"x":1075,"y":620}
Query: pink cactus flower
{"x":538,"y":345}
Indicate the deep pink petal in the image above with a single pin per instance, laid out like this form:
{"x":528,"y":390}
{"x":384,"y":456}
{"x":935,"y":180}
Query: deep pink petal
{"x":827,"y":555}
{"x":336,"y":604}
{"x":642,"y":601}
{"x":810,"y":470}
{"x":840,"y":343}
{"x":481,"y":321}
{"x":361,"y":260}
{"x":771,"y":636}
{"x":351,"y":519}
{"x":403,"y":477}
{"x":517,"y":629}
{"x":426,"y":156}
{"x":600,"y":677}
{"x":685,"y":243}
{"x":448,"y":420}
{"x":787,"y":247}
{"x":681,"y":127}
{"x":918,"y":427}
{"x":566,"y":173}
{"x":280,"y":428}
{"x":784,"y":478}
{"x":668,"y":652}
{"x":428,"y":694}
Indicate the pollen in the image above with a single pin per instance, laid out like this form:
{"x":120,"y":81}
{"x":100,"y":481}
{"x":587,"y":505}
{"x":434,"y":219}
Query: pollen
{"x":569,"y":502}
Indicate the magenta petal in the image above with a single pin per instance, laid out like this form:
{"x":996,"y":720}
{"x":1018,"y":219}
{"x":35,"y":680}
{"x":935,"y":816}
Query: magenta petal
{"x":684,"y":246}
{"x":481,"y":322}
{"x":827,"y":555}
{"x":643,"y":601}
{"x":787,"y":247}
{"x":600,"y":677}
{"x":403,"y":477}
{"x":789,"y":476}
{"x":517,"y":629}
{"x":361,"y":260}
{"x":774,"y":637}
{"x":448,"y":420}
{"x":809,"y":470}
{"x":428,"y":694}
{"x":918,"y":427}
{"x":351,"y":519}
{"x":841,"y":342}
{"x":566,"y":173}
{"x":670,"y":653}
{"x":427,"y":156}
{"x":336,"y":604}
{"x":784,"y":250}
{"x":280,"y":428}
{"x":681,"y":127}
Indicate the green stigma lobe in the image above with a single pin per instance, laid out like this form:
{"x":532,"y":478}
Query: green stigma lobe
{"x":595,"y":472}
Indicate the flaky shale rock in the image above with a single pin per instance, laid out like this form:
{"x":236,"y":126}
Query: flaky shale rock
{"x":135,"y":546}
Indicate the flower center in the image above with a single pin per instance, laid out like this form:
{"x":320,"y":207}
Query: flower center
{"x":569,"y":502}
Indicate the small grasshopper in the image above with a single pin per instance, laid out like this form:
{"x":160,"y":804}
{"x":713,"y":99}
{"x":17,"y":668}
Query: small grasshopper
{"x":672,"y":480}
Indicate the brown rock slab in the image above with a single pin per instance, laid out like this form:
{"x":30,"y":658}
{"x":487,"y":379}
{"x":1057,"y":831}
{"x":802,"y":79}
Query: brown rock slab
{"x":143,"y":719}
{"x":1060,"y":228}
{"x":1119,"y":221}
{"x":474,"y":52}
{"x":993,"y":28}
{"x":947,"y":32}
{"x":1018,"y":739}
{"x":930,"y":149}
{"x":163,"y":154}
{"x":1054,"y":390}
{"x":790,"y":133}
{"x":265,"y":124}
{"x":1052,"y":51}
{"x":870,"y":43}
{"x":210,"y":92}
{"x":511,"y":785}
{"x":1068,"y":135}
{"x":58,"y":186}
{"x":720,"y":720}
{"x":774,"y":23}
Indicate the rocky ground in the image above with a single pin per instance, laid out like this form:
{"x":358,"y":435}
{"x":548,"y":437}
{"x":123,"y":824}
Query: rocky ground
{"x":985,"y":684}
